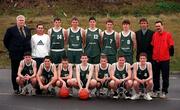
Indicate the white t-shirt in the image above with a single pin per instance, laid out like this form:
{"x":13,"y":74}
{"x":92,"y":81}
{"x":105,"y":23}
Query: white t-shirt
{"x":40,"y":45}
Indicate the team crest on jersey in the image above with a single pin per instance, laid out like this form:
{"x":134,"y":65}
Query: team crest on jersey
{"x":128,"y":42}
{"x":40,"y":43}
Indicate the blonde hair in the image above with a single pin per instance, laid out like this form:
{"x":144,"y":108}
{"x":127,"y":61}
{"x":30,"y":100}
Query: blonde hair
{"x":20,"y":16}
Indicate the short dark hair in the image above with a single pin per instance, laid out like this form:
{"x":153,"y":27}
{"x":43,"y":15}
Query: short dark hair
{"x":159,"y":21}
{"x":142,"y":54}
{"x":47,"y":57}
{"x":27,"y":54}
{"x":143,"y":20}
{"x":74,"y":18}
{"x":104,"y":57}
{"x":109,"y":21}
{"x":126,"y":21}
{"x":83,"y":54}
{"x":121,"y":55}
{"x":65,"y":58}
{"x":57,"y":19}
{"x":39,"y":25}
{"x":92,"y":18}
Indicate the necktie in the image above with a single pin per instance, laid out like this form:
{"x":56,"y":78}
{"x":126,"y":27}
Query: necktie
{"x":22,"y":33}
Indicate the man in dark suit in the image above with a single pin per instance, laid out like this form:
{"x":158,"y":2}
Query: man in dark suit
{"x":17,"y":41}
{"x":143,"y":38}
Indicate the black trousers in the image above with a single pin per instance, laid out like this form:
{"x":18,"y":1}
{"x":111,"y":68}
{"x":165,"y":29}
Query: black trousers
{"x":163,"y":68}
{"x":14,"y":70}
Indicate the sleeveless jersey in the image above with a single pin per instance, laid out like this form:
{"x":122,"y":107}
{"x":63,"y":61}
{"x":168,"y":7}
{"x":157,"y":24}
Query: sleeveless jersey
{"x":57,"y":40}
{"x":47,"y":74}
{"x":126,"y":45}
{"x":84,"y":73}
{"x":142,"y":74}
{"x":109,"y":44}
{"x":75,"y":39}
{"x":121,"y":74}
{"x":103,"y":73}
{"x":27,"y":69}
{"x":64,"y":73}
{"x":93,"y":48}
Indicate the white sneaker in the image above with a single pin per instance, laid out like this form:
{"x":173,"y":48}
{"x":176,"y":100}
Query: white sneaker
{"x":163,"y":95}
{"x":135,"y":97}
{"x":147,"y":97}
{"x":155,"y":94}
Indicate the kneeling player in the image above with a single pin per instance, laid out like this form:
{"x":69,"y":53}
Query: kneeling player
{"x":102,"y":72}
{"x":142,"y":77}
{"x":121,"y":81}
{"x":65,"y":74}
{"x":27,"y":74}
{"x":84,"y":73}
{"x":47,"y":76}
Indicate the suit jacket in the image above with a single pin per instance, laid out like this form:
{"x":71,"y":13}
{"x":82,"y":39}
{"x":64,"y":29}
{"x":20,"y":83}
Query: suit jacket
{"x":15,"y":43}
{"x":144,"y":46}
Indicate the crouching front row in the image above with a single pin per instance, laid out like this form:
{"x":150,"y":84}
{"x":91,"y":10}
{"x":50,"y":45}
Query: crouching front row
{"x":100,"y":80}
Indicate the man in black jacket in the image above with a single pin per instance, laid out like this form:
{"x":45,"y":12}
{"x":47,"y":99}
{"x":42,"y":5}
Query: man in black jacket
{"x":143,"y":38}
{"x":17,"y":41}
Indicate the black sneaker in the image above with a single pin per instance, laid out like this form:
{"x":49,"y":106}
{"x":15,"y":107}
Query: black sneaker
{"x":16,"y":92}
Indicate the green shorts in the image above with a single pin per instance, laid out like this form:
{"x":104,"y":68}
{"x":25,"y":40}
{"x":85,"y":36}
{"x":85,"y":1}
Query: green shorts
{"x":74,"y":56}
{"x":57,"y":56}
{"x":111,"y":59}
{"x":129,"y":59}
{"x":94,"y":60}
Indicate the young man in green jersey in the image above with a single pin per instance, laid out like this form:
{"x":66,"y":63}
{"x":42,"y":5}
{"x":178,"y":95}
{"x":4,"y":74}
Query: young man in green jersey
{"x":75,"y":41}
{"x":110,"y":42}
{"x":102,"y":75}
{"x":57,"y":41}
{"x":142,"y":71}
{"x":84,"y":74}
{"x":27,"y":74}
{"x":127,"y":42}
{"x":47,"y":76}
{"x":121,"y":81}
{"x":93,"y":42}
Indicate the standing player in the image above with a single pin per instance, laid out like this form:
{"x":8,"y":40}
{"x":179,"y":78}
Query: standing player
{"x":47,"y":75}
{"x":127,"y":42}
{"x":110,"y":42}
{"x":93,"y":41}
{"x":27,"y":73}
{"x":57,"y":38}
{"x":75,"y":41}
{"x":84,"y":73}
{"x":142,"y":77}
{"x":102,"y":75}
{"x":121,"y":77}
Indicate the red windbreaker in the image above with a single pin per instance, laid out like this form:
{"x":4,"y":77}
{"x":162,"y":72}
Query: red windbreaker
{"x":161,"y":44}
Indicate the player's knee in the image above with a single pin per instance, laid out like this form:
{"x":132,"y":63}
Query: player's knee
{"x":112,"y":84}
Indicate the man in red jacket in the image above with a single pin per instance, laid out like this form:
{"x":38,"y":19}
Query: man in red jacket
{"x":163,"y":48}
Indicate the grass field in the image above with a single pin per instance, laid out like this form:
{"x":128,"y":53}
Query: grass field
{"x":172,"y":24}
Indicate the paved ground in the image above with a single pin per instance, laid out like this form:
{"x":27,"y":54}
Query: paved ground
{"x":11,"y":102}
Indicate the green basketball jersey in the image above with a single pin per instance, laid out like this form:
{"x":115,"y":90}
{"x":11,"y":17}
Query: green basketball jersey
{"x":84,"y":73}
{"x":27,"y":69}
{"x":93,"y":43}
{"x":47,"y":74}
{"x":64,"y":73}
{"x":75,"y":39}
{"x":103,"y":72}
{"x":57,"y":40}
{"x":109,"y":44}
{"x":126,"y":45}
{"x":142,"y":74}
{"x":120,"y":74}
